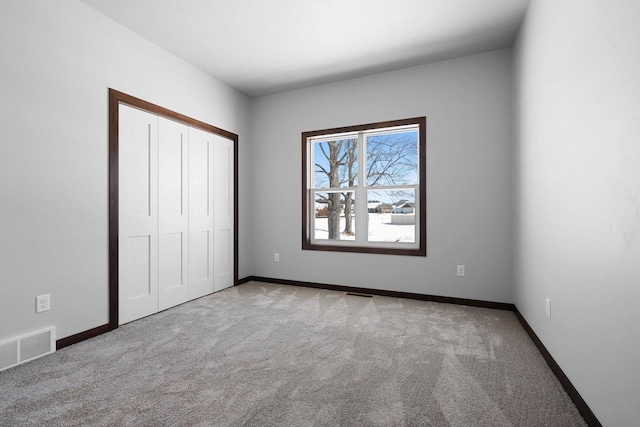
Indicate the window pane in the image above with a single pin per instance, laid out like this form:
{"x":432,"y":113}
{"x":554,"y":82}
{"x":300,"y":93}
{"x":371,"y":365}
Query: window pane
{"x":391,"y":216}
{"x":392,"y":158}
{"x":336,"y":163}
{"x":334,"y":216}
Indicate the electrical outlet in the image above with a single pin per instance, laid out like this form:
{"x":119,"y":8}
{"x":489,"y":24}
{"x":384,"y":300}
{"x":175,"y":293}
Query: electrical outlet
{"x":276,"y":257}
{"x":43,"y":303}
{"x":460,"y":271}
{"x":547,"y":307}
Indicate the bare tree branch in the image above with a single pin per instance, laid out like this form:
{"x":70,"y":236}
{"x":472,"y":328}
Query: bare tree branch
{"x":321,"y":169}
{"x":324,"y":152}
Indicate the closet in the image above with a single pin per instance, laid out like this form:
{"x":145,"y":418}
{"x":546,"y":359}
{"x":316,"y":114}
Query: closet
{"x":175,"y":214}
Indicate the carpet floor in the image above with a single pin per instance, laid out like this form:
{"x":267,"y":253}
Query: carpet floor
{"x":265,"y":355}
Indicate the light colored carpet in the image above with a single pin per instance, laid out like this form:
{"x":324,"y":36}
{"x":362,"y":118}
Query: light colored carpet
{"x":263,"y":354}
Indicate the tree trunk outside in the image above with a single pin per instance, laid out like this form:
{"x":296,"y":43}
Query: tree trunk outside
{"x":352,"y":158}
{"x":348,"y":211}
{"x":333,"y":216}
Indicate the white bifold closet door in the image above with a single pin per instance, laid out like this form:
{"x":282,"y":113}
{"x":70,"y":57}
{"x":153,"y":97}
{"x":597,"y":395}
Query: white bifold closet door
{"x":175,"y":213}
{"x":138,"y":214}
{"x":200,"y":213}
{"x":223,"y":213}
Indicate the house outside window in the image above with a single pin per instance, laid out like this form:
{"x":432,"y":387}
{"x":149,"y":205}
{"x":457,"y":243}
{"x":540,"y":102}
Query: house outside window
{"x":364,"y":188}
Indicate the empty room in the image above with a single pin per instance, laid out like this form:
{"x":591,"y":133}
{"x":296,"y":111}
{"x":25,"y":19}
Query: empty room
{"x":296,"y":212}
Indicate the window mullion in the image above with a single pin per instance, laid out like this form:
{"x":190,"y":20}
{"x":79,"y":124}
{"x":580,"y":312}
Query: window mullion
{"x":361,"y":193}
{"x":395,"y":187}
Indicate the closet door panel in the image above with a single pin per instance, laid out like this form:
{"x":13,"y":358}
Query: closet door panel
{"x":200,"y":213}
{"x":138,"y":218}
{"x":223,"y":213}
{"x":199,"y":175}
{"x":199,"y":248}
{"x":173,"y":213}
{"x":139,"y":277}
{"x":173,"y":288}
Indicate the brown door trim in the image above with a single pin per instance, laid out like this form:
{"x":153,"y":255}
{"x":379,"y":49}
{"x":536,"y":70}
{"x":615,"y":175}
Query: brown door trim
{"x":115,"y":99}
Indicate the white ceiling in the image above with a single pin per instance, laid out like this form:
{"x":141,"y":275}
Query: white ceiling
{"x":266,"y":46}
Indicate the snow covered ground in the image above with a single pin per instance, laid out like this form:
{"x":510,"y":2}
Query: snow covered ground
{"x":380,"y":229}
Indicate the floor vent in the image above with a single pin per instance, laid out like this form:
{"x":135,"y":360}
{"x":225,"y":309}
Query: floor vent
{"x":27,"y":347}
{"x":358,"y":294}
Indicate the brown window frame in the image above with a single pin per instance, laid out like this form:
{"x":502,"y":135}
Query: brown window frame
{"x":421,"y":250}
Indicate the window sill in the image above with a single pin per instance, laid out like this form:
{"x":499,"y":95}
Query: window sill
{"x":420,"y":251}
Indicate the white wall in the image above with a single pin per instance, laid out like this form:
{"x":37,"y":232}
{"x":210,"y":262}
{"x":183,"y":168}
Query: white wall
{"x":577,"y":78}
{"x":467,"y":102}
{"x":58,"y":60}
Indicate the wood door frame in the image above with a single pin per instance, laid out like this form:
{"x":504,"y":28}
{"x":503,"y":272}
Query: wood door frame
{"x":115,"y":99}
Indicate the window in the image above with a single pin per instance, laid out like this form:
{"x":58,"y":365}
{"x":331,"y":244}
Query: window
{"x":364,"y":188}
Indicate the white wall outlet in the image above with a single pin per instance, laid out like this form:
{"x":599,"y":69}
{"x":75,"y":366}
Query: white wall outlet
{"x":276,"y":257}
{"x":547,"y":307}
{"x":460,"y":271}
{"x":43,"y":303}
